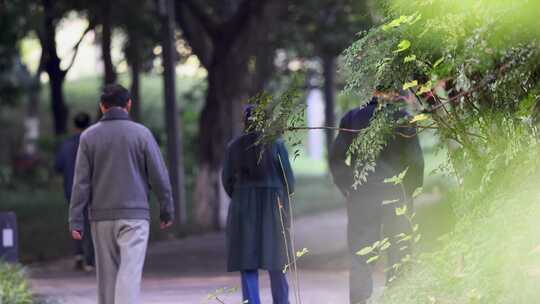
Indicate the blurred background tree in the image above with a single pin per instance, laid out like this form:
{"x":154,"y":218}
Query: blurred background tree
{"x":322,"y":30}
{"x":226,"y":52}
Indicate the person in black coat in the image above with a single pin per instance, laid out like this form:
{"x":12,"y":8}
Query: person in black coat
{"x":65,"y":165}
{"x":259,"y":179}
{"x":368,"y":218}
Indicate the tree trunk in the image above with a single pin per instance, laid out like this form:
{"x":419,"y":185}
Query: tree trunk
{"x":329,"y":71}
{"x":31,"y":121}
{"x":135,"y":61}
{"x":52,"y":67}
{"x":172,"y":117}
{"x":58,"y":106}
{"x":221,"y":120}
{"x":106,"y":41}
{"x":225,"y":49}
{"x":136,"y":92}
{"x":264,"y":67}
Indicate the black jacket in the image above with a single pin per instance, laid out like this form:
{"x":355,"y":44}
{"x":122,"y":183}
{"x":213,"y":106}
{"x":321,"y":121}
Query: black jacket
{"x":401,"y":152}
{"x":257,"y":184}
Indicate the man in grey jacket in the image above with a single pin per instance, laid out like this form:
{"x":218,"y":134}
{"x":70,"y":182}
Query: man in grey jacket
{"x":118,"y":162}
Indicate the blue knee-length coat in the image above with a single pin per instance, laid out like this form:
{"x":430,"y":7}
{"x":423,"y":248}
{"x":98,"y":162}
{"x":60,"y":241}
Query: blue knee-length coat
{"x":259,"y":179}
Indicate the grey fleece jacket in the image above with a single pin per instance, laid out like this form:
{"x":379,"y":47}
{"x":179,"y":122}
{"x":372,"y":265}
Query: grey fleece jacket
{"x":118,"y":162}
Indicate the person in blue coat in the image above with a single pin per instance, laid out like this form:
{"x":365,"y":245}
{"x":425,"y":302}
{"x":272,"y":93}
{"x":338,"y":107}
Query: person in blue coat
{"x":259,"y":179}
{"x":368,"y":218}
{"x":65,"y":165}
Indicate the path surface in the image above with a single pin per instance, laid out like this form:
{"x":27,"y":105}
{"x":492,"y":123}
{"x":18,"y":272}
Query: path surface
{"x":187,"y":270}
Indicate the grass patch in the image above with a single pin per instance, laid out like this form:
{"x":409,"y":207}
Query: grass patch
{"x":13,"y":286}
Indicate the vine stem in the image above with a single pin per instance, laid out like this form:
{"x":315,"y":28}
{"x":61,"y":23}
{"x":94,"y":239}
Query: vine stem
{"x":298,"y":298}
{"x":487,"y":80}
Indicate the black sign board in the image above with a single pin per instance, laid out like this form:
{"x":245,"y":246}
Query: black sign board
{"x":8,"y":237}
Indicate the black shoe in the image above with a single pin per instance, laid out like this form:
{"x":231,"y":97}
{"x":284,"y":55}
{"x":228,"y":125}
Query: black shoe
{"x":79,"y":263}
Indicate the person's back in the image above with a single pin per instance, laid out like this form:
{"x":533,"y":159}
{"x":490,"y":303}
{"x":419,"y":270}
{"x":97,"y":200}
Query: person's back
{"x":117,"y":163}
{"x":118,"y":148}
{"x":368,"y":217}
{"x":65,"y":162}
{"x":259,"y":179}
{"x":65,"y":165}
{"x":402,"y":151}
{"x":257,"y":165}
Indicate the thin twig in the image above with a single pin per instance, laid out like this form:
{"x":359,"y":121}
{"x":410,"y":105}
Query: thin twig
{"x":324,"y":128}
{"x":487,"y":80}
{"x":291,"y":234}
{"x":90,"y":27}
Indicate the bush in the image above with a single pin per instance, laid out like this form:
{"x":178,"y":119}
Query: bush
{"x":13,"y":286}
{"x":491,"y":256}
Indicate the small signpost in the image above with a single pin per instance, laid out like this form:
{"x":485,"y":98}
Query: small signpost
{"x":8,"y":237}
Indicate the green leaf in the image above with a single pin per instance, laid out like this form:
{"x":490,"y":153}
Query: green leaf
{"x":417,"y":238}
{"x":416,"y":19}
{"x":388,"y":202}
{"x":412,"y":19}
{"x":394,"y":23}
{"x":365,"y":251}
{"x":398,"y":179}
{"x":403,"y":46}
{"x":401,"y":211}
{"x":410,"y":84}
{"x":402,"y":174}
{"x":372,"y":259}
{"x":409,"y":58}
{"x":405,"y":239}
{"x":438,"y":62}
{"x":419,"y":117}
{"x":385,"y":246}
{"x":417,"y":192}
{"x":302,"y":252}
{"x":348,"y":160}
{"x":285,"y":268}
{"x":425,"y":87}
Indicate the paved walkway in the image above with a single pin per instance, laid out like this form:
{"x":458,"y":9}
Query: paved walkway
{"x":187,"y":270}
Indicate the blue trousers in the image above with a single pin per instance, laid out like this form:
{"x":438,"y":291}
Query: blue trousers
{"x":278,"y":283}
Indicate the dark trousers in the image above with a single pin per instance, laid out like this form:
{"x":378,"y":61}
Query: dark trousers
{"x":85,"y":247}
{"x":278,"y":283}
{"x":370,"y":221}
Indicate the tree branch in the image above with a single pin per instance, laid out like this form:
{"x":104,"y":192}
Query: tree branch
{"x":247,"y":11}
{"x":208,"y":23}
{"x":193,"y":31}
{"x":487,"y":80}
{"x":90,"y":27}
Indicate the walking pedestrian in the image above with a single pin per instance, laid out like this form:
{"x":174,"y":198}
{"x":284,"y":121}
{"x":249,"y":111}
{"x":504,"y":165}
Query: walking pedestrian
{"x":65,"y":165}
{"x":368,"y":218}
{"x":118,"y":162}
{"x":259,"y":179}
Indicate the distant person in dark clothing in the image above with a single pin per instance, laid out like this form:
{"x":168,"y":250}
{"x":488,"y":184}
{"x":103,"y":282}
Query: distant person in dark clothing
{"x":368,"y":218}
{"x":65,"y":164}
{"x":259,"y":186}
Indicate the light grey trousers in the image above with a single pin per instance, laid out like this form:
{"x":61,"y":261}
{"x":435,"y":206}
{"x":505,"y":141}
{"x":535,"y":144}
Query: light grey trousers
{"x":120,"y":247}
